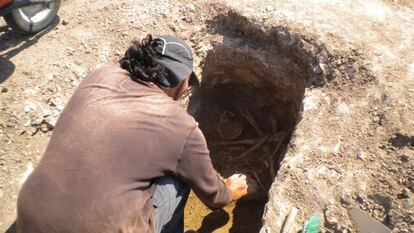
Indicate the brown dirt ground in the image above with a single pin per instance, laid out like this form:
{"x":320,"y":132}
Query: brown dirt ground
{"x":353,"y":144}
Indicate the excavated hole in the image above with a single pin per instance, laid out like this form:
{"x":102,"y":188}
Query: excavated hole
{"x":238,"y":92}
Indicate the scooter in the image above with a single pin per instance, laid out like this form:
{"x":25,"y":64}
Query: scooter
{"x":29,"y":16}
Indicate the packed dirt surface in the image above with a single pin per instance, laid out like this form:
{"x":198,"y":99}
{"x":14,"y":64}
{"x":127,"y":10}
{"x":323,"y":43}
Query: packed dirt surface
{"x":328,"y":84}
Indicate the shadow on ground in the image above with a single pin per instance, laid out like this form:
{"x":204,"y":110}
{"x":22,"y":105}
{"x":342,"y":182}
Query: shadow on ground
{"x":214,"y":221}
{"x":12,"y":228}
{"x":12,"y":43}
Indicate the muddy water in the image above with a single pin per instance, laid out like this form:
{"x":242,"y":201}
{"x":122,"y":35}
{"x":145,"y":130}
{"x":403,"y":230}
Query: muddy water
{"x":236,"y":217}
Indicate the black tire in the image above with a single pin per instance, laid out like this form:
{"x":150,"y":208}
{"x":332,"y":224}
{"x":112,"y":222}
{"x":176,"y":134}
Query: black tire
{"x":16,"y":21}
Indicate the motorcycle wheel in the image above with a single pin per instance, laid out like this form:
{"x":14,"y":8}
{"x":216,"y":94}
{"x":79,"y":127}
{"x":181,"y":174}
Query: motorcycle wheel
{"x":34,"y":18}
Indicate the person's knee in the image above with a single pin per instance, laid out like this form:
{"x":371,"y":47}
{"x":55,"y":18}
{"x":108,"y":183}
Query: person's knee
{"x":169,"y":190}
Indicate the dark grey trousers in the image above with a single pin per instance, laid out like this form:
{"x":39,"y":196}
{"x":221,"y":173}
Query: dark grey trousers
{"x":169,"y":201}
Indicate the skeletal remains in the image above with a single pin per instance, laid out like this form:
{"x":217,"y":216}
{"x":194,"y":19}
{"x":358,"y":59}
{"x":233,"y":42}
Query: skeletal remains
{"x":229,"y":129}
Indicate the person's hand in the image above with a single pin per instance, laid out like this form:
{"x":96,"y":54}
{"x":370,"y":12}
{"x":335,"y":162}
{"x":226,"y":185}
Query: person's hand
{"x":238,"y":185}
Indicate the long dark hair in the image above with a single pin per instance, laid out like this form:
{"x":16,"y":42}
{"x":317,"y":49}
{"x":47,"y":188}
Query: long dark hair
{"x":139,"y":61}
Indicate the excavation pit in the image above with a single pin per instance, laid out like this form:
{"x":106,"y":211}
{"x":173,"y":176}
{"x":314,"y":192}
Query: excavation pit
{"x":247,"y":107}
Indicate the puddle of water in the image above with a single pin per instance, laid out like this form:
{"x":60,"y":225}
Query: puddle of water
{"x":203,"y":220}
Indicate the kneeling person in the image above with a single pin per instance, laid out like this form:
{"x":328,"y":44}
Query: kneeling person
{"x":124,"y":154}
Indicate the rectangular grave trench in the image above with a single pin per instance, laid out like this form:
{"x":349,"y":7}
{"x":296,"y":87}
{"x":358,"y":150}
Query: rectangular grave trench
{"x":247,"y":111}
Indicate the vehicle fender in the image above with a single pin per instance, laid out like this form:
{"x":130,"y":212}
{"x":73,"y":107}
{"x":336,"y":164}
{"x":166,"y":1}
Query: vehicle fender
{"x":4,"y":2}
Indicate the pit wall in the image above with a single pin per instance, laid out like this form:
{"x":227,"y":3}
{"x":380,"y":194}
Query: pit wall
{"x":258,"y":68}
{"x":327,"y":135}
{"x":310,"y":63}
{"x":287,"y":190}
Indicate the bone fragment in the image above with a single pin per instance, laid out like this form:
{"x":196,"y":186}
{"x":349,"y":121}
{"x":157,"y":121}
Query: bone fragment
{"x":240,"y":142}
{"x":254,"y":147}
{"x":248,"y":116}
{"x":280,"y":138}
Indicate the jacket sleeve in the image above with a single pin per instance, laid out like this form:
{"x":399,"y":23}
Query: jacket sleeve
{"x":195,"y":168}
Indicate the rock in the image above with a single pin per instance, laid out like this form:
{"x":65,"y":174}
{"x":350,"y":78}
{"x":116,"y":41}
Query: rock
{"x":317,"y":69}
{"x":172,"y":27}
{"x":57,"y":103}
{"x":411,"y":186}
{"x":46,"y":112}
{"x":323,"y":67}
{"x":51,"y":123}
{"x":4,"y":90}
{"x":269,"y":8}
{"x":404,"y":158}
{"x":29,"y":106}
{"x":65,"y":22}
{"x":330,"y":216}
{"x":37,"y":121}
{"x":1,"y":193}
{"x":361,"y":155}
{"x":346,"y":199}
{"x":190,"y":7}
{"x":405,"y":193}
{"x":393,"y":217}
{"x":409,"y":218}
{"x":52,"y":103}
{"x":202,"y":49}
{"x":342,"y":229}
